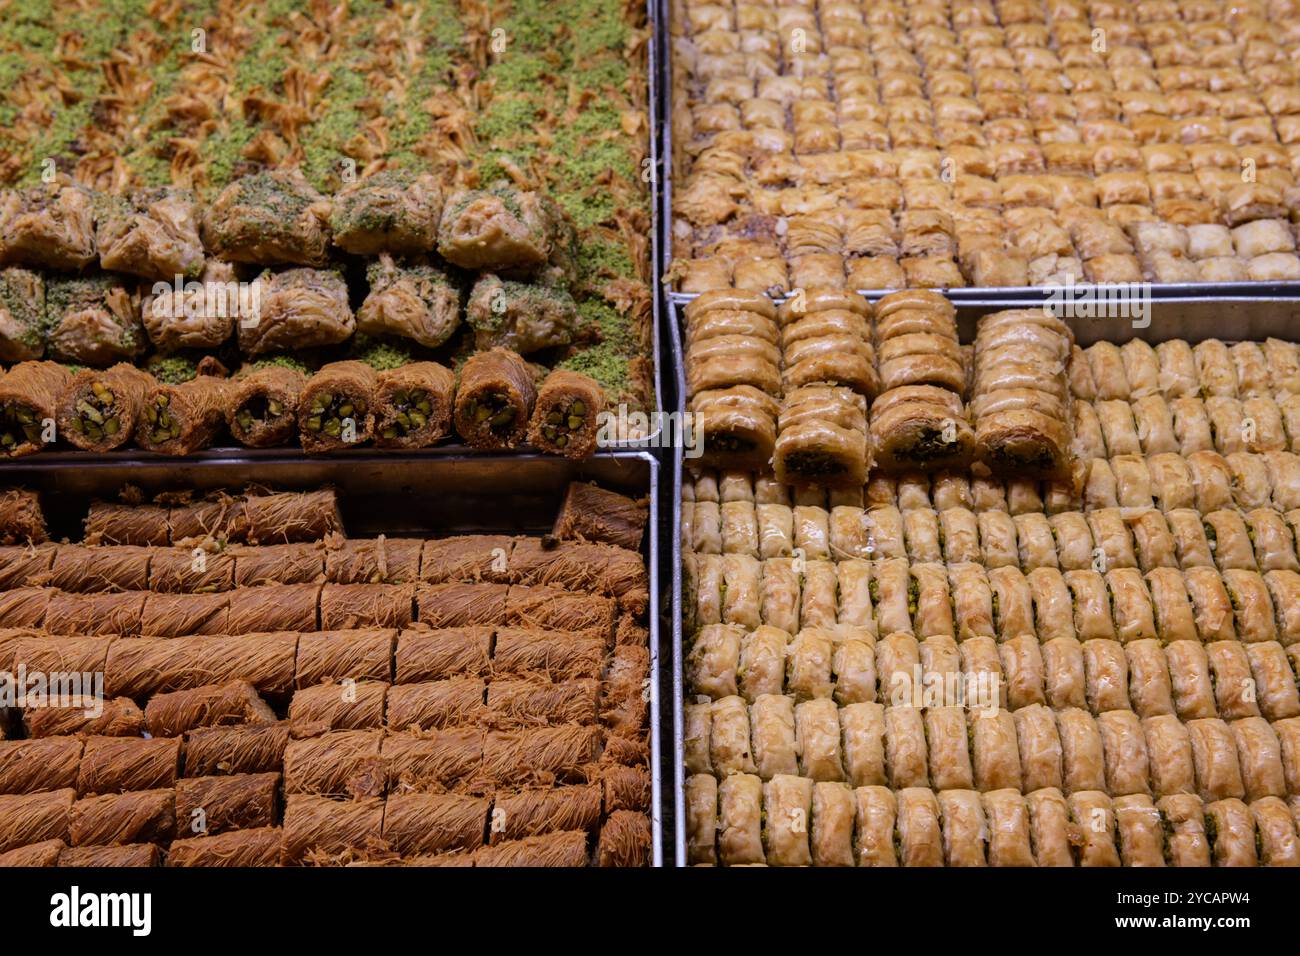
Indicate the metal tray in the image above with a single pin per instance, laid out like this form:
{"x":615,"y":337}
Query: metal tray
{"x":1193,"y":319}
{"x":654,"y":54}
{"x":1008,"y":294}
{"x":389,"y":494}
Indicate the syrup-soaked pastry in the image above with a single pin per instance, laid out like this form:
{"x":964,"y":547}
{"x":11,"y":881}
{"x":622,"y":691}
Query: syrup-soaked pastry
{"x":1064,"y":674}
{"x":1169,"y":753}
{"x":1093,"y":816}
{"x":822,"y":438}
{"x":1230,"y":830}
{"x":1259,"y":754}
{"x":1284,"y":589}
{"x":1184,"y":819}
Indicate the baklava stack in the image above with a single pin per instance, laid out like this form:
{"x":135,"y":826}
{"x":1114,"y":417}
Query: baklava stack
{"x":733,"y":376}
{"x":829,"y":376}
{"x":919,"y":419}
{"x":1020,"y":393}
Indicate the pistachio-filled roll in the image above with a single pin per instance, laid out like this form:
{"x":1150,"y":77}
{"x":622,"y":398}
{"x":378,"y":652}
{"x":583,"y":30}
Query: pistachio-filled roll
{"x":93,"y":320}
{"x":1093,"y":817}
{"x":495,"y":399}
{"x":564,"y":421}
{"x":413,"y":405}
{"x":337,"y":408}
{"x":180,"y":419}
{"x":410,"y":299}
{"x":919,"y":828}
{"x":1230,"y":830}
{"x":98,"y":410}
{"x":822,"y":438}
{"x":22,"y":315}
{"x":274,"y":218}
{"x":153,"y":233}
{"x":826,"y":338}
{"x":1024,"y":441}
{"x":391,"y":211}
{"x":787,"y":808}
{"x":740,"y":820}
{"x":264,"y":397}
{"x":521,"y":316}
{"x":297,"y":309}
{"x":29,"y":400}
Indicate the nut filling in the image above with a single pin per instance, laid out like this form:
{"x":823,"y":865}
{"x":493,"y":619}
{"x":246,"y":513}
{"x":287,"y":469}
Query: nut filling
{"x":330,"y":411}
{"x":19,"y":423}
{"x":492,"y":410}
{"x":258,"y":410}
{"x":98,"y":414}
{"x":411,"y":411}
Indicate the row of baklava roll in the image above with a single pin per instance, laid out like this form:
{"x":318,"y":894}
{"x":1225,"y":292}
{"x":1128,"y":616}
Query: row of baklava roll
{"x":872,"y":90}
{"x":257,"y":517}
{"x":986,"y":255}
{"x":253,"y":516}
{"x":955,"y":747}
{"x":305,"y":607}
{"x":942,"y":489}
{"x":830,"y":359}
{"x":1020,"y":399}
{"x":142,"y":828}
{"x":999,"y":229}
{"x":497,"y":402}
{"x":856,"y":110}
{"x":502,"y":559}
{"x":1028,"y":24}
{"x":919,"y":420}
{"x":1178,"y":369}
{"x":327,"y":763}
{"x":804,"y":371}
{"x":1224,"y":678}
{"x":278,"y":664}
{"x":1203,"y":481}
{"x":278,"y":218}
{"x":827,"y":370}
{"x":793,"y":821}
{"x":967,"y":600}
{"x":943,"y":36}
{"x":1260,"y":540}
{"x":890,"y":25}
{"x":527,"y":700}
{"x":1020,"y":404}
